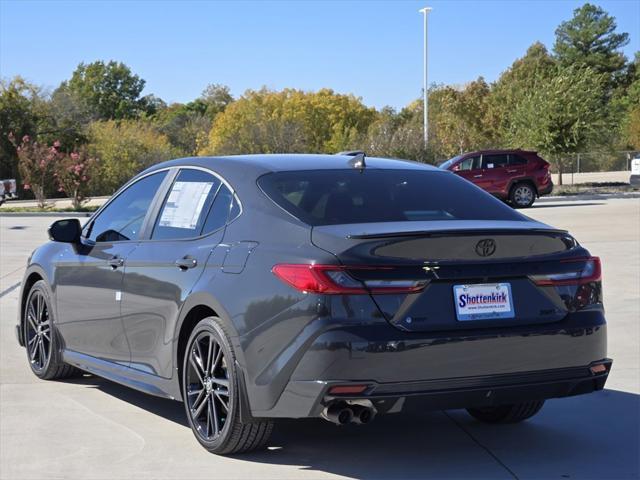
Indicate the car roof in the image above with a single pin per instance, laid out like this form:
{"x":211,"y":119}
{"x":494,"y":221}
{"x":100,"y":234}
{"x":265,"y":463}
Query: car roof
{"x":257,"y":165}
{"x":481,"y":152}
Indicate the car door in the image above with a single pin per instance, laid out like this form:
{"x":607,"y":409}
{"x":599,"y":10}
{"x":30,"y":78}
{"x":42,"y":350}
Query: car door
{"x":517,"y":167}
{"x":161,"y":272}
{"x":469,"y":168}
{"x":88,"y":277}
{"x":494,"y":176}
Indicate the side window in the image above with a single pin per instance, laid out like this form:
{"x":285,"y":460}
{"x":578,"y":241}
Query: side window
{"x":122,"y":218}
{"x":219,"y":213}
{"x":470,"y":163}
{"x":494,"y":161}
{"x":516,"y":159}
{"x":184,"y":210}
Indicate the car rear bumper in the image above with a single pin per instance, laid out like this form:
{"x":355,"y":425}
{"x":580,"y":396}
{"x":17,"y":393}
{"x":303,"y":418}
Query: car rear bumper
{"x":469,"y":392}
{"x":447,"y":370}
{"x":546,"y":189}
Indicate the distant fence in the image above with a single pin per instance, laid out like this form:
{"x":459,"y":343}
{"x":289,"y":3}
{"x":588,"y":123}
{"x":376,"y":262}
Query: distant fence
{"x":600,"y":161}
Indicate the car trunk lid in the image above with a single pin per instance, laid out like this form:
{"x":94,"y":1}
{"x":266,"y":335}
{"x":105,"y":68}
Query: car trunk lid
{"x":445,"y":255}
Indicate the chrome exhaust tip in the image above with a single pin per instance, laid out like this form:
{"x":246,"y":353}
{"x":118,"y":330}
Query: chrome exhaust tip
{"x":338,"y":413}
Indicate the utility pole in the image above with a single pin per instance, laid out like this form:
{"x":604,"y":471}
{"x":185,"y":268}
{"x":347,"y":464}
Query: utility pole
{"x":425,"y":11}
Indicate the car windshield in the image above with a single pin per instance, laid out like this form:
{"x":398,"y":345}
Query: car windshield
{"x":330,"y":197}
{"x":445,"y":165}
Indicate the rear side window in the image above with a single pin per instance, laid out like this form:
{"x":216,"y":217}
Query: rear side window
{"x":495,"y":161}
{"x":516,"y":159}
{"x":220,"y":211}
{"x":329,"y":197}
{"x":186,"y":206}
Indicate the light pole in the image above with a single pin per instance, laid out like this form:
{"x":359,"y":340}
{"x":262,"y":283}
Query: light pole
{"x":425,"y":11}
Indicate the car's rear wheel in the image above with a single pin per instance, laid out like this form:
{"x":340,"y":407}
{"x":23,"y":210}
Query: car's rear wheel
{"x":522,"y":195}
{"x":513,"y":413}
{"x":211,"y":393}
{"x":40,"y":336}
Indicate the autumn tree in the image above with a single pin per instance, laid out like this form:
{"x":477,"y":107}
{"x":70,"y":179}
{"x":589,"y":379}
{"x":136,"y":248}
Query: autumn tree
{"x":124,"y":149}
{"x":266,"y":121}
{"x":459,"y":118}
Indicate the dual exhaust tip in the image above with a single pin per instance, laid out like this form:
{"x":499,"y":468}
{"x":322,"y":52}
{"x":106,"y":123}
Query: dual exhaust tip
{"x":342,"y":413}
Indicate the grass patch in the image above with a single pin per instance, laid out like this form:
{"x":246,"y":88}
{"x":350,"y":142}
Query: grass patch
{"x":594,"y":188}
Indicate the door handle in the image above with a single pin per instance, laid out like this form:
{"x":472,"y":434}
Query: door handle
{"x":512,"y":171}
{"x":115,"y":262}
{"x":186,"y":263}
{"x":477,"y":176}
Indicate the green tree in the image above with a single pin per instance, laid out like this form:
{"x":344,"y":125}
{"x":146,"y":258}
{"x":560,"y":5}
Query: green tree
{"x":590,"y":39}
{"x":186,"y":128}
{"x":109,"y":90}
{"x":214,"y":100}
{"x":23,"y":111}
{"x":515,"y":84}
{"x":630,"y":124}
{"x":124,"y":149}
{"x":563,"y":115}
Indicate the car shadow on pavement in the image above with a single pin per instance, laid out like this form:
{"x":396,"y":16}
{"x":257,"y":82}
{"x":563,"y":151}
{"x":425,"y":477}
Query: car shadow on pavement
{"x":589,"y":436}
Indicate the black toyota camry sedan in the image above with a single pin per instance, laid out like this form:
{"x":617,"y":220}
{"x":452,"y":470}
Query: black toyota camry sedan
{"x":337,"y":286}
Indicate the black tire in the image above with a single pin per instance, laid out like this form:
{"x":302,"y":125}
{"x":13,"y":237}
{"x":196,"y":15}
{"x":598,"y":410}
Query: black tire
{"x":209,"y":370}
{"x":41,"y":338}
{"x":514,"y":413}
{"x":522,"y":195}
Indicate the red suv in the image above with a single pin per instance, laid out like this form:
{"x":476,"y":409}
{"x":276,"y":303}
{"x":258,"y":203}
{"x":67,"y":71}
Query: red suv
{"x":516,"y":176}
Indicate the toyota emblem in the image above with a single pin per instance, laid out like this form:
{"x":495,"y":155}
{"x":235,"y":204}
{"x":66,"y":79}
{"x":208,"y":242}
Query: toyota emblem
{"x":486,"y":247}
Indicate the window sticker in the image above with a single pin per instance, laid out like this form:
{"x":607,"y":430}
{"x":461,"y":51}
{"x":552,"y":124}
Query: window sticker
{"x":184,"y":204}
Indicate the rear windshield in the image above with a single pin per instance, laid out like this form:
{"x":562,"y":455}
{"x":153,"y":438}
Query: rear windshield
{"x":331,"y":197}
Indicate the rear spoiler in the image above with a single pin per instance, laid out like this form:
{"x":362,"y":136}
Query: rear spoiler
{"x":442,"y":233}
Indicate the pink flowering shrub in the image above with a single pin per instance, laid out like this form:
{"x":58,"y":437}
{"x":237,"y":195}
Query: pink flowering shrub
{"x":37,"y":165}
{"x":73,"y":175}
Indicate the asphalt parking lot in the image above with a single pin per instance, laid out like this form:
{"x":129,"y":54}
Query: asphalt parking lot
{"x":91,"y":429}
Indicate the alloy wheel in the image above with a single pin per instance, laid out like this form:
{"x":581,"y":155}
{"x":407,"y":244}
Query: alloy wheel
{"x":208,"y":394}
{"x":38,"y":331}
{"x":523,"y":195}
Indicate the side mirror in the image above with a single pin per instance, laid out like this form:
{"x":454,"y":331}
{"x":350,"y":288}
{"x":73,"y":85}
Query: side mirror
{"x":67,"y":231}
{"x":456,"y":168}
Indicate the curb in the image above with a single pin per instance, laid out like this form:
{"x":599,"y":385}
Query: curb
{"x":592,"y":196}
{"x":47,"y":214}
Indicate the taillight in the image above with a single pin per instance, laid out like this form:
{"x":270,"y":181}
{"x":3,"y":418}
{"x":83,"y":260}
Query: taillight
{"x":335,"y":280}
{"x":587,"y":270}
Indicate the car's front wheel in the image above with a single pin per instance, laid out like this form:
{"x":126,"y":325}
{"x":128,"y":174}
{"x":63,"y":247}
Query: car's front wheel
{"x":513,"y":413}
{"x":522,"y":195}
{"x":40,"y":336}
{"x":211,"y":393}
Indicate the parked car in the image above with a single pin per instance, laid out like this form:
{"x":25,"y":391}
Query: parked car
{"x":516,"y":176}
{"x":8,"y":190}
{"x":259,"y":287}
